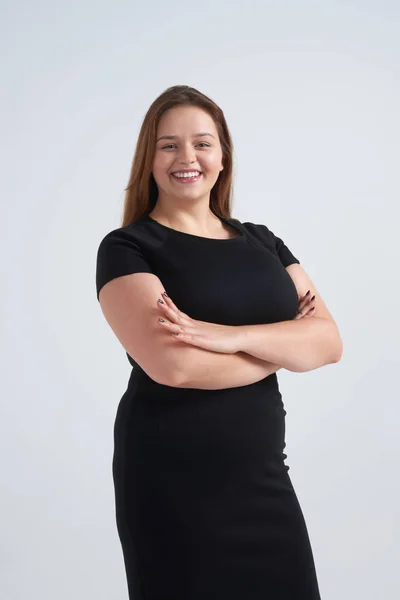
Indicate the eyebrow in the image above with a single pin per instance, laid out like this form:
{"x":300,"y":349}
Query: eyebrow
{"x":173,"y":137}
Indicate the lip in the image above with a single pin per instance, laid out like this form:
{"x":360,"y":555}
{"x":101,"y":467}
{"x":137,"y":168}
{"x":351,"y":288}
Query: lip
{"x":187,"y":180}
{"x":186,"y":171}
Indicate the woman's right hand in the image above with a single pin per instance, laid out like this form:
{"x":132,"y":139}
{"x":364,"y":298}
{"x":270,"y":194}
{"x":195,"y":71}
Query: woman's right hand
{"x":306,"y":306}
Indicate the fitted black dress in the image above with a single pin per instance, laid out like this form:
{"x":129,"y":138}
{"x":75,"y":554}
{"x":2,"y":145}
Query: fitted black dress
{"x":205,"y":508}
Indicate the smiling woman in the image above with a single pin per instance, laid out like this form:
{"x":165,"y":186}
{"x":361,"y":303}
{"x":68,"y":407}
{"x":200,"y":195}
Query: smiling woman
{"x":205,"y":506}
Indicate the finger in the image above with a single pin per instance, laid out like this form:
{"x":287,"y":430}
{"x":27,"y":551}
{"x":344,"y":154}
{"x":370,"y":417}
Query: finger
{"x":173,"y":327}
{"x":173,"y":306}
{"x":304,"y":300}
{"x":306,"y":304}
{"x":167,"y":299}
{"x":169,"y":302}
{"x":193,"y":340}
{"x":305,"y":311}
{"x":183,"y":337}
{"x":305,"y":297}
{"x":302,"y":305}
{"x":168,"y":305}
{"x":169,"y":312}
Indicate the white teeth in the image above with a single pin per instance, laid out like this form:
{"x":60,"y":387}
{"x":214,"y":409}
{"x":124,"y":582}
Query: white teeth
{"x":192,"y":174}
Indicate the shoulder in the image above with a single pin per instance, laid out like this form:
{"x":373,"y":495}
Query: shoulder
{"x":267,"y":238}
{"x":123,"y":251}
{"x":259,"y":232}
{"x":256,"y":228}
{"x":133,"y":233}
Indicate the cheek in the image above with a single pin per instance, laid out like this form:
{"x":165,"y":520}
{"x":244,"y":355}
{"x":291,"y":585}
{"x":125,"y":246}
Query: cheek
{"x":211,"y":162}
{"x":160,"y":166}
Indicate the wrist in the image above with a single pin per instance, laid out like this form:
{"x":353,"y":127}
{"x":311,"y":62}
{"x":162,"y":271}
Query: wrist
{"x":243,"y":337}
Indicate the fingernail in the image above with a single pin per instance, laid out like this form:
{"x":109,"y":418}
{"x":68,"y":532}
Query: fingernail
{"x":313,"y":308}
{"x":312,"y":298}
{"x":162,"y":320}
{"x":308,"y":292}
{"x":165,"y":294}
{"x":161,"y":301}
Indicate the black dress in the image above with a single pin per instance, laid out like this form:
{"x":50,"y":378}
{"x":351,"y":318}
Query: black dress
{"x":205,"y":508}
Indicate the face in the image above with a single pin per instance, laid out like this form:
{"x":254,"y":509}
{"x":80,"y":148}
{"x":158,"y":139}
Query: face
{"x":187,"y":150}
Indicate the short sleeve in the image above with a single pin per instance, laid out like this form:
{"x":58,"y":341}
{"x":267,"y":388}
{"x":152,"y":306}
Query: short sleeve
{"x":285,"y":255}
{"x":119,"y":254}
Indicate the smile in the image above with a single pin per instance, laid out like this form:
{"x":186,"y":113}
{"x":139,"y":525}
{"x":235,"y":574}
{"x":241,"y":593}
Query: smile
{"x":187,"y":179}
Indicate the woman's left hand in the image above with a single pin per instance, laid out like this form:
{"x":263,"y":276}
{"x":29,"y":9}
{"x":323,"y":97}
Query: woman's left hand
{"x":210,"y":336}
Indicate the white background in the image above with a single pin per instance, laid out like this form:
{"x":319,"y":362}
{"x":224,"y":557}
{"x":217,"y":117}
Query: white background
{"x":311,"y":94}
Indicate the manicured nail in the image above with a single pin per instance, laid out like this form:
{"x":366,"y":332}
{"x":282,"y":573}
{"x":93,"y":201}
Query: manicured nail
{"x":160,"y":319}
{"x":165,"y":294}
{"x":313,"y":308}
{"x":161,"y":301}
{"x":312,"y":298}
{"x":308,"y":292}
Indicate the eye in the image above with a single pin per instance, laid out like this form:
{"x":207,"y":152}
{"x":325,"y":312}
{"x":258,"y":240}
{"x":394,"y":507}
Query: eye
{"x":200,"y":144}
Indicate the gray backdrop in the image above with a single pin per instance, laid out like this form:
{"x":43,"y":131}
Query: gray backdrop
{"x":311,"y":94}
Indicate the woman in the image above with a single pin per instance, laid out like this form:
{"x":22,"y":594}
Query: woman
{"x":205,"y":507}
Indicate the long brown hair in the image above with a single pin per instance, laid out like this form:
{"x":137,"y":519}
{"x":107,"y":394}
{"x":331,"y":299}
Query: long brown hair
{"x":142,"y":192}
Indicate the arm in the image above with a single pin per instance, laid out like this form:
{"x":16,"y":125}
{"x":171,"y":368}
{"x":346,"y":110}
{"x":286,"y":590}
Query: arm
{"x":298,"y":346}
{"x":208,"y":370}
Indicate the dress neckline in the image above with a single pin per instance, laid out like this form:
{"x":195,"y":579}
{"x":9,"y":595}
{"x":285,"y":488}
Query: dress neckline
{"x":229,"y":222}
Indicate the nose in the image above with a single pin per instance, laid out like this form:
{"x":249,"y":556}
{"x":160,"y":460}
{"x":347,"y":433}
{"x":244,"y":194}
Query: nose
{"x":187,"y":154}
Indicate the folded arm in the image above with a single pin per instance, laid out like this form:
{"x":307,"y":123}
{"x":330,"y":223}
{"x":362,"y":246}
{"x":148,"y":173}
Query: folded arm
{"x":207,"y":370}
{"x":298,"y":345}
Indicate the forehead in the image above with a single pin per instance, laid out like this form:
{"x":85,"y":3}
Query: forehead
{"x":185,"y":120}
